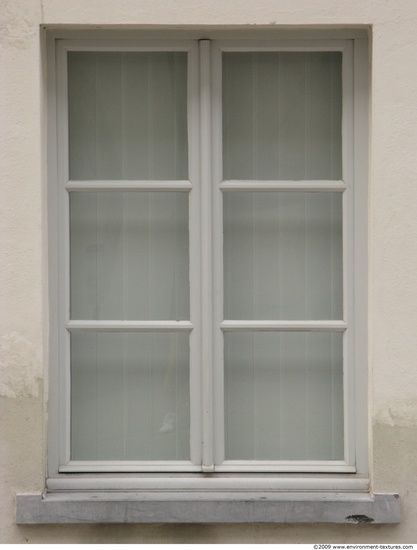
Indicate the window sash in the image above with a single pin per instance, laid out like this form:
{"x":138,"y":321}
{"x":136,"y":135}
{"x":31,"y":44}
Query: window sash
{"x":220,"y":325}
{"x":191,"y":187}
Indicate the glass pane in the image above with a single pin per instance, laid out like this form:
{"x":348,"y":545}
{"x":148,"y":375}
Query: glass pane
{"x":130,"y":396}
{"x":129,"y":256}
{"x":127,"y":115}
{"x":283,"y":396}
{"x":282,"y":115}
{"x":283,"y":256}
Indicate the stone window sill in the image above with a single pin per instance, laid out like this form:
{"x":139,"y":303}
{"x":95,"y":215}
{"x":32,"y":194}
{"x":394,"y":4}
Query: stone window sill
{"x":205,"y":507}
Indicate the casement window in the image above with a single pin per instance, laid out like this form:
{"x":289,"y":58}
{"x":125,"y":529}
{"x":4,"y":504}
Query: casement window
{"x":208,"y":277}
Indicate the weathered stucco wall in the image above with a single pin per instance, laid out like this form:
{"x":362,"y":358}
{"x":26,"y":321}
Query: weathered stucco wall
{"x":392,"y":245}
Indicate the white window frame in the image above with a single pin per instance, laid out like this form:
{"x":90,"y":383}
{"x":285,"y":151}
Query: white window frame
{"x":65,"y":186}
{"x":205,"y":152}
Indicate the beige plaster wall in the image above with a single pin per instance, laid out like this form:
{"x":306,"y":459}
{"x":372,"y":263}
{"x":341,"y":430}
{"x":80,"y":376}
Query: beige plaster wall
{"x":392,"y":244}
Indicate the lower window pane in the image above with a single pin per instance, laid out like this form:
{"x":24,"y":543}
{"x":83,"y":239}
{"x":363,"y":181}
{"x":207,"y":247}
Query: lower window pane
{"x":130,"y":396}
{"x":283,"y":396}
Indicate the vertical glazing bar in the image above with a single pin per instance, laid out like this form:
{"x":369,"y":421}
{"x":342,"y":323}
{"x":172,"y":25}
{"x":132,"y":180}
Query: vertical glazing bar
{"x":206,"y":261}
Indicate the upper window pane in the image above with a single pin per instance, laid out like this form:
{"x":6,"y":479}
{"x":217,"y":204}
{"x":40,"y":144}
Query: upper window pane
{"x":282,"y":115}
{"x":127,"y":115}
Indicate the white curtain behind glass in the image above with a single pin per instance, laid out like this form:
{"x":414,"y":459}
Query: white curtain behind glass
{"x":130,"y":396}
{"x":129,"y":255}
{"x":282,"y":115}
{"x":127,"y":115}
{"x":283,"y":255}
{"x":284,"y":396}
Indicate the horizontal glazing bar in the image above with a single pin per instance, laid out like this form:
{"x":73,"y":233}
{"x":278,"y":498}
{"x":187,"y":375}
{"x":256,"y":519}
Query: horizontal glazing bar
{"x":271,"y":185}
{"x":129,"y":326}
{"x":304,"y":326}
{"x":129,"y":185}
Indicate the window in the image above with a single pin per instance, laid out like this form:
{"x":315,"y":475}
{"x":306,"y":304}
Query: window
{"x":210,"y":260}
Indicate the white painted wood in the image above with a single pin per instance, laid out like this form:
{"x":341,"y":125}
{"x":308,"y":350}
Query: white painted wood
{"x":207,"y":256}
{"x":251,"y":157}
{"x":218,"y":290}
{"x":285,"y":467}
{"x":52,"y":381}
{"x":100,"y":466}
{"x":112,"y":186}
{"x":361,"y":210}
{"x":348,"y":254}
{"x":295,"y":45}
{"x":291,"y":326}
{"x":195,"y":256}
{"x":63,"y":301}
{"x":183,"y":186}
{"x":157,"y":36}
{"x":129,"y":326}
{"x":112,"y":45}
{"x":242,"y":482}
{"x":360,"y":143}
{"x":281,"y":185}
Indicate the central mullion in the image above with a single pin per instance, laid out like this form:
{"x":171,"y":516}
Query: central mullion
{"x":206,"y":259}
{"x":218,"y":315}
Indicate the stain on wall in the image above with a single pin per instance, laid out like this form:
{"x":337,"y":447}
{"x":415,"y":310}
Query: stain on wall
{"x":20,"y":367}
